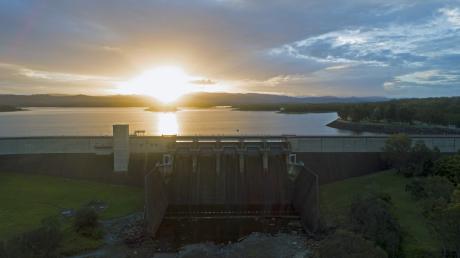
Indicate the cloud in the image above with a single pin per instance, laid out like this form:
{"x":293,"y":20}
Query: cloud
{"x":414,"y":55}
{"x":427,"y":79}
{"x":453,"y":15}
{"x":203,"y":82}
{"x":295,"y":47}
{"x":395,"y":44}
{"x":20,"y":79}
{"x":62,"y":77}
{"x":337,"y":67}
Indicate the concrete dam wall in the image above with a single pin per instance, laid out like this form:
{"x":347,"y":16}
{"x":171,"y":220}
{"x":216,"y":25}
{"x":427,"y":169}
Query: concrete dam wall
{"x":210,"y":175}
{"x":127,"y":159}
{"x":100,"y":167}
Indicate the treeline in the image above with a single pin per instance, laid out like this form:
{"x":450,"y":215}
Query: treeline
{"x":4,"y":108}
{"x":46,"y":100}
{"x":294,"y":108}
{"x":436,"y":111}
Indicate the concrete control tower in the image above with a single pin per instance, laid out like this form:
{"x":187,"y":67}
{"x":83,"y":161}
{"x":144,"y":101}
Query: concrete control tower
{"x":120,"y":147}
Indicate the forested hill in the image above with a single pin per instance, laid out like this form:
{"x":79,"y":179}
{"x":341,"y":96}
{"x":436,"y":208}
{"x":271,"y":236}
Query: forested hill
{"x":47,"y":100}
{"x":190,"y":100}
{"x":267,"y":100}
{"x":437,"y":111}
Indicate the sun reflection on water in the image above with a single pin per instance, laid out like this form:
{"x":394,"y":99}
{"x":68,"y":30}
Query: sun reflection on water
{"x":167,"y":124}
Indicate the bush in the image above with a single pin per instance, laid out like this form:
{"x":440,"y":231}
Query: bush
{"x":417,"y":160}
{"x":87,"y":222}
{"x":345,"y":244}
{"x":370,"y":216}
{"x":396,"y":151}
{"x":430,"y":188}
{"x":421,"y":160}
{"x":449,"y":167}
{"x":40,"y":243}
{"x":420,"y":253}
{"x":446,"y":224}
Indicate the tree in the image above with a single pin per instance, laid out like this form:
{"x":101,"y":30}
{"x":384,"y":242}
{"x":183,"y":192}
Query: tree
{"x":397,"y":151}
{"x":421,"y":160}
{"x":371,"y":217}
{"x":449,"y":167}
{"x":434,"y":116}
{"x":343,"y":113}
{"x":405,"y":114}
{"x":378,"y":114}
{"x":390,"y":112}
{"x":358,"y":112}
{"x":446,"y":224}
{"x":346,"y":244}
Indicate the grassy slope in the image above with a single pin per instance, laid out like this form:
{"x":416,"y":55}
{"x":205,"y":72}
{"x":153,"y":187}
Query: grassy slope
{"x":335,"y":199}
{"x":27,"y":199}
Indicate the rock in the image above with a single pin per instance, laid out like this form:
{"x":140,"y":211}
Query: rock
{"x":68,"y":212}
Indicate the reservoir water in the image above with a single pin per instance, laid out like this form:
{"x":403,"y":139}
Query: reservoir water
{"x":216,"y":121}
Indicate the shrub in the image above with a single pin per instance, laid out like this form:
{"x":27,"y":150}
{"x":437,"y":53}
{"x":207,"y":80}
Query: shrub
{"x":345,"y":244}
{"x":446,"y":224}
{"x":86,"y":222}
{"x":421,"y":160}
{"x":449,"y":167}
{"x":417,"y":160}
{"x":39,"y":243}
{"x":396,"y":151}
{"x":430,"y":188}
{"x":421,"y":253}
{"x":371,"y":217}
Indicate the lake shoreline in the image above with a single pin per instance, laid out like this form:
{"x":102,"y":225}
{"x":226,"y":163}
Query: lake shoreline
{"x":4,"y":109}
{"x":390,"y":128}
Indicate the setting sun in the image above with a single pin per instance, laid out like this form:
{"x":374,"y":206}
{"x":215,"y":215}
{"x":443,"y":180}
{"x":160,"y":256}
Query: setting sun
{"x":166,"y":83}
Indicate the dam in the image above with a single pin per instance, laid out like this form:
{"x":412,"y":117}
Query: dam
{"x":210,"y":176}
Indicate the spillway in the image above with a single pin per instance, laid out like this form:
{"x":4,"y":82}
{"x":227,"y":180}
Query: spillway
{"x":216,"y":179}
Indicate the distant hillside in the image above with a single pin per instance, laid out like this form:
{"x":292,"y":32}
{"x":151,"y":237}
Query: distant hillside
{"x":195,"y":100}
{"x":236,"y":99}
{"x":46,"y":100}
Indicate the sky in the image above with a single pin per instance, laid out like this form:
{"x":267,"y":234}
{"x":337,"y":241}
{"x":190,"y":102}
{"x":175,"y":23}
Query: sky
{"x":393,"y":48}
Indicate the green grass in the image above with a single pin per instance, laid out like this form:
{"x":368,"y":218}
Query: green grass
{"x":27,"y":199}
{"x":335,"y":200}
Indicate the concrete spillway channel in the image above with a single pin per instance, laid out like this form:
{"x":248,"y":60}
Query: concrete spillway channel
{"x":244,"y":179}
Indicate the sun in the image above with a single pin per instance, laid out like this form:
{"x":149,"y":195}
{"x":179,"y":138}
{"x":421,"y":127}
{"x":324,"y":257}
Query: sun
{"x":165,"y":83}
